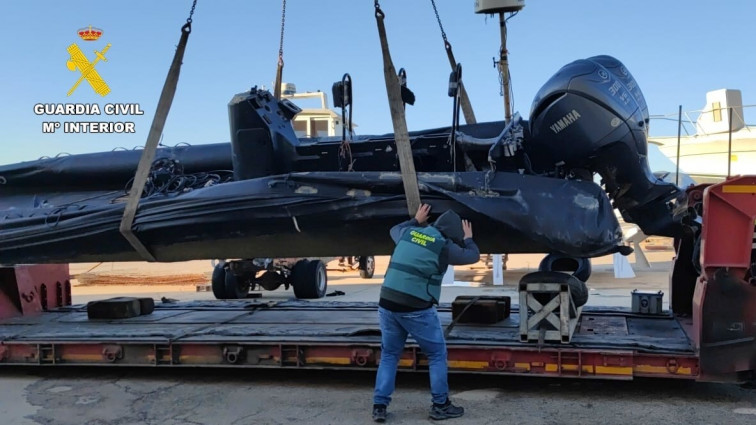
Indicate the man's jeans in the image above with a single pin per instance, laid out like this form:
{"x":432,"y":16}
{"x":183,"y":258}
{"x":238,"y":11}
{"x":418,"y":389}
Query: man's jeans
{"x":425,"y":328}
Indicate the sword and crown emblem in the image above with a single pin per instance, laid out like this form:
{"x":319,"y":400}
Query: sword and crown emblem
{"x":87,"y":69}
{"x":89,"y":34}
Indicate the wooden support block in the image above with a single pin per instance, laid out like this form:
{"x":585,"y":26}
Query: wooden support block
{"x":555,"y":320}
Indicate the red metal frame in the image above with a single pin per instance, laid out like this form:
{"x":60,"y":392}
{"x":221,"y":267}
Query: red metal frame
{"x":29,"y":290}
{"x":544,"y":362}
{"x":724,"y":302}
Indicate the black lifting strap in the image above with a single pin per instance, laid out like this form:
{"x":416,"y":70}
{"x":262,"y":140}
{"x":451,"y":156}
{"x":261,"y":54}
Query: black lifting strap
{"x":148,"y":154}
{"x":401,"y":134}
{"x":462,"y":313}
{"x":464,"y":100}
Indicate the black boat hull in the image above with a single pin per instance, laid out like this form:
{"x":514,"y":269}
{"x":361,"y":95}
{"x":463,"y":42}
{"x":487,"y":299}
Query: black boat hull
{"x":319,"y":214}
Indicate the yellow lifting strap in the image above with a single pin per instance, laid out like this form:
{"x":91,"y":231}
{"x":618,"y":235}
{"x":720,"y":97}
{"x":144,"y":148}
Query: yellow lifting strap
{"x":148,"y":154}
{"x":401,"y":135}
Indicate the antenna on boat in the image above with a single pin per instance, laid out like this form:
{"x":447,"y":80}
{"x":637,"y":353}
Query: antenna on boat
{"x":501,"y":7}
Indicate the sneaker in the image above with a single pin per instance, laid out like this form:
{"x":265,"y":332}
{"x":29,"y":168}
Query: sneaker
{"x":445,"y":411}
{"x":379,"y":412}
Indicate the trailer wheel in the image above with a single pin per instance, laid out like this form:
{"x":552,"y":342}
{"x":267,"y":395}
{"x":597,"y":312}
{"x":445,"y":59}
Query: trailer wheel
{"x":218,"y":281}
{"x":236,"y":287}
{"x":309,"y":279}
{"x":367,"y":266}
{"x":579,"y":267}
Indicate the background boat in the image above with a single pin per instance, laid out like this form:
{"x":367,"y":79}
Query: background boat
{"x":709,"y":134}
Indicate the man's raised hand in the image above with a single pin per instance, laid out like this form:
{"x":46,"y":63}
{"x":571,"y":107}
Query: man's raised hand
{"x":467,"y":229}
{"x":422,"y":213}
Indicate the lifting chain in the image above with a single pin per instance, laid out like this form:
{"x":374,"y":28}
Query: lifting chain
{"x":187,"y":28}
{"x":378,"y":12}
{"x":279,"y":69}
{"x":191,"y":13}
{"x":283,"y":25}
{"x":440,"y":25}
{"x":467,"y":109}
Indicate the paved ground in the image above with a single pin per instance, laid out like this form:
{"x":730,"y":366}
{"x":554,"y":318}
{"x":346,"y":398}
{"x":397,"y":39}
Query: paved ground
{"x":131,"y":396}
{"x":175,"y":397}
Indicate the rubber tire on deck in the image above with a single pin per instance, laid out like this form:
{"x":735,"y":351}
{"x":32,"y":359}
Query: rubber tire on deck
{"x":578,"y":288}
{"x":580,"y":267}
{"x":306,"y":277}
{"x":236,"y":287}
{"x":218,"y":281}
{"x":367,"y":266}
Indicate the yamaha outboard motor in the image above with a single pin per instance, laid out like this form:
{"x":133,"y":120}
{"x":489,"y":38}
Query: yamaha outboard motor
{"x":263,"y":141}
{"x":618,"y":70}
{"x":592,"y":117}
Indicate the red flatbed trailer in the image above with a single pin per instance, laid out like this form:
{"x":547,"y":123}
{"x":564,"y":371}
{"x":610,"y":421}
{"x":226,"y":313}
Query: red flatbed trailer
{"x":709,"y":333}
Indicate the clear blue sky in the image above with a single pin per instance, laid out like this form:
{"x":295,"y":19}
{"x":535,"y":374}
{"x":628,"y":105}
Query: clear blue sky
{"x":677,"y":50}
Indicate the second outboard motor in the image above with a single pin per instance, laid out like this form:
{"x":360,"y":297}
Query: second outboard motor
{"x":263,"y":141}
{"x":591,"y":115}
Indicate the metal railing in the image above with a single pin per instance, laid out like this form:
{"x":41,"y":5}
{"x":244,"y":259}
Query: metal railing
{"x":697,"y":127}
{"x":688,"y":119}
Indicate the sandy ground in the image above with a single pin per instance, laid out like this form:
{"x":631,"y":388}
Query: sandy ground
{"x":129,"y":396}
{"x":181,"y":280}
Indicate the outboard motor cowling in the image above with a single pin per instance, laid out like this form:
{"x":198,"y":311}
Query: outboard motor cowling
{"x":263,"y":141}
{"x":620,"y":71}
{"x":591,"y":115}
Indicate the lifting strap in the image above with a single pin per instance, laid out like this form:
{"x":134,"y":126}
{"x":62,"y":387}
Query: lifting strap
{"x":462,"y":313}
{"x":401,"y":135}
{"x":342,"y":95}
{"x":467,"y":109}
{"x":148,"y":154}
{"x":279,"y":69}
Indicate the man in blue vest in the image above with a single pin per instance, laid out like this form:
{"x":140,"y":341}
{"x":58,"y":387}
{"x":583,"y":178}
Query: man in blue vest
{"x":411,"y":287}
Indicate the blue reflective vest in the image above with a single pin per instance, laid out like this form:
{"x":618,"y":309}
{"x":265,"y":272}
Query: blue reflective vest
{"x":413,"y":277}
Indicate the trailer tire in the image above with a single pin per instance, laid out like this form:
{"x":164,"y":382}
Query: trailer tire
{"x":218,"y":281}
{"x":309,"y":278}
{"x":236,"y":287}
{"x":367,"y":266}
{"x":580,"y":267}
